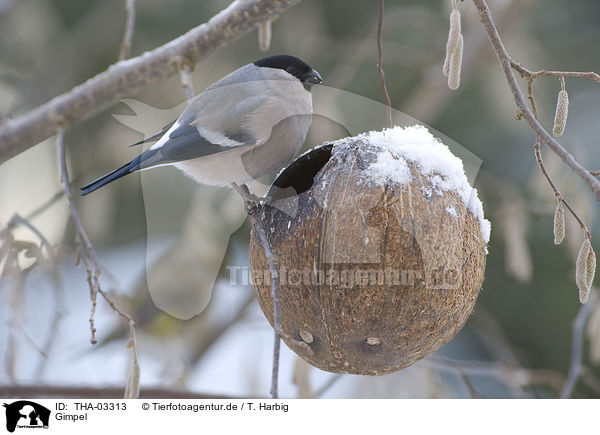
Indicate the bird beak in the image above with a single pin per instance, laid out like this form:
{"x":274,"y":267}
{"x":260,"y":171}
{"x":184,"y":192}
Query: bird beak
{"x":313,"y":77}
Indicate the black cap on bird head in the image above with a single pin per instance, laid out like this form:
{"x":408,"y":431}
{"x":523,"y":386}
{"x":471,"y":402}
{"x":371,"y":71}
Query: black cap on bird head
{"x":294,"y":66}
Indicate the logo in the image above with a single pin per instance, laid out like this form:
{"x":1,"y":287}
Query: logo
{"x":26,"y":414}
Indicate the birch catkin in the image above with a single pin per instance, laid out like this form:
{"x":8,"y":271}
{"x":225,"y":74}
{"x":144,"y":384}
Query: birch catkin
{"x":132,"y":388}
{"x":453,"y":37}
{"x":591,"y":270}
{"x":559,"y":223}
{"x":264,"y":35}
{"x":562,"y":110}
{"x":455,"y":65}
{"x":446,"y":67}
{"x":454,"y":32}
{"x":585,"y":269}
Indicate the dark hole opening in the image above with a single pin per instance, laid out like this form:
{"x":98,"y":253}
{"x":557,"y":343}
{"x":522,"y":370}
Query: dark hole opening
{"x":301,"y":173}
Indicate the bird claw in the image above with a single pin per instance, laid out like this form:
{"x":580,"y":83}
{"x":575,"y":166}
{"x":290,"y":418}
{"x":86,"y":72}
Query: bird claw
{"x":251,"y":201}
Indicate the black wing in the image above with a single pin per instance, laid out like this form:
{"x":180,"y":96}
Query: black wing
{"x":156,"y":136}
{"x":184,"y":143}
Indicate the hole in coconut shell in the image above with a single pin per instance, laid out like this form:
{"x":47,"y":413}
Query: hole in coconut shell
{"x":301,"y":172}
{"x":371,"y":345}
{"x":309,"y":340}
{"x":306,"y":336}
{"x":373,"y":341}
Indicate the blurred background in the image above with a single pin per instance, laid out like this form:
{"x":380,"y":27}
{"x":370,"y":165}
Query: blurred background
{"x":178,"y":236}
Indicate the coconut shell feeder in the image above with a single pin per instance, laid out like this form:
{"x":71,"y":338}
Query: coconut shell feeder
{"x":380,"y":243}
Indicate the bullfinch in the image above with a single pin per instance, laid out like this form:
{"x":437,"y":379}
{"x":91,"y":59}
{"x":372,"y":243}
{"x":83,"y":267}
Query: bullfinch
{"x":246,"y":125}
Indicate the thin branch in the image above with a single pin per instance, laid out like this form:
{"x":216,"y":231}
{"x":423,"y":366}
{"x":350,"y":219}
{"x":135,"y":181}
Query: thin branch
{"x":39,"y":210}
{"x":129,"y":26}
{"x":218,"y":331}
{"x":540,"y":162}
{"x":18,"y":220}
{"x":90,"y":261}
{"x":327,"y":385}
{"x":576,"y":350}
{"x":544,"y":73}
{"x":29,"y":339}
{"x":500,"y":369}
{"x":388,"y":102}
{"x":129,"y":76}
{"x":591,"y":381}
{"x":506,"y":63}
{"x":132,"y":388}
{"x":252,"y":204}
{"x":88,"y":253}
{"x":54,"y":272}
{"x":262,"y":236}
{"x":11,"y":269}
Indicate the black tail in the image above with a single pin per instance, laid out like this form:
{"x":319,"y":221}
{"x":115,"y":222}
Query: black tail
{"x":128,"y":168}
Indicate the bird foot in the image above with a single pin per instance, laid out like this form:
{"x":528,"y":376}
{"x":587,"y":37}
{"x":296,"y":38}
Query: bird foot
{"x":251,"y":201}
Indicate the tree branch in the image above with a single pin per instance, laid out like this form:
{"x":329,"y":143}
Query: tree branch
{"x":129,"y":25}
{"x":538,"y":153}
{"x":262,"y":236}
{"x":129,"y":76}
{"x":507,"y":64}
{"x":88,"y":253}
{"x":90,"y":260}
{"x":512,"y":372}
{"x":545,"y":73}
{"x":576,"y":350}
{"x":388,"y":102}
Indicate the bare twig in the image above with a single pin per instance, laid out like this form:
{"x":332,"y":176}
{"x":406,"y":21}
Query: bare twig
{"x":519,"y":375}
{"x":540,"y":161}
{"x":576,"y":350}
{"x":39,"y":210}
{"x":132,"y":387}
{"x":29,"y":339}
{"x":11,"y":268}
{"x":54,"y":272}
{"x":388,"y":102}
{"x":327,"y":385}
{"x":90,"y":261}
{"x":559,"y":196}
{"x":262,"y":236}
{"x":127,"y":77}
{"x":215,"y":334}
{"x":18,"y":220}
{"x":506,"y":64}
{"x":591,"y":381}
{"x":129,"y":26}
{"x":544,"y":73}
{"x":253,"y":211}
{"x":88,"y":253}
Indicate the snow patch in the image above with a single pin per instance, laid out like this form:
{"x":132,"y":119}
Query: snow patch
{"x":452,"y":211}
{"x":417,"y":145}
